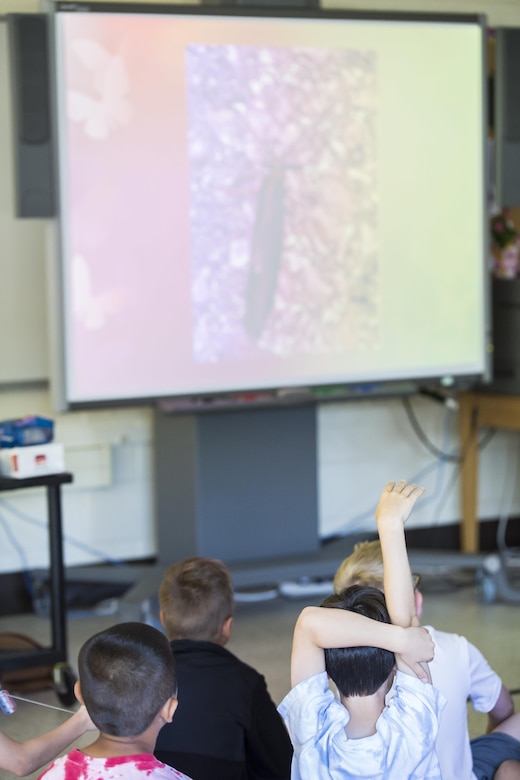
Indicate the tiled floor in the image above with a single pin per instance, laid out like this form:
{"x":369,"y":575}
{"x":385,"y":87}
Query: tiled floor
{"x":262,"y":637}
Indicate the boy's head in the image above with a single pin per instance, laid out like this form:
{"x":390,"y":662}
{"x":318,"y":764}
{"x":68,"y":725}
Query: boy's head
{"x":365,"y":567}
{"x":126,"y":677}
{"x":359,"y":671}
{"x":196,"y":600}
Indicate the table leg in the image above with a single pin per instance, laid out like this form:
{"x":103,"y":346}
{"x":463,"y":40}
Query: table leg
{"x":468,"y":428}
{"x":58,"y":613}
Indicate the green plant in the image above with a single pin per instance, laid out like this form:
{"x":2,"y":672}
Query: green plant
{"x":503,"y":230}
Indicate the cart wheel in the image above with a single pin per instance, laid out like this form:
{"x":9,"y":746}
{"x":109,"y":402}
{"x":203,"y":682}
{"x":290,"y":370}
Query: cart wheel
{"x":64,"y":682}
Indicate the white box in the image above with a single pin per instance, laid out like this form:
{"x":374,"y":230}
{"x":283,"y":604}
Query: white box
{"x":32,"y":461}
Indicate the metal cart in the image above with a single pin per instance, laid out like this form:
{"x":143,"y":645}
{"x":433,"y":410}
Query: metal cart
{"x":56,"y":654}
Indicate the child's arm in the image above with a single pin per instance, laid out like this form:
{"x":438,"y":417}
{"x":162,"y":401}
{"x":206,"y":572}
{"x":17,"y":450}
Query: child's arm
{"x":394,"y":508}
{"x":22,"y":758}
{"x":318,"y":628}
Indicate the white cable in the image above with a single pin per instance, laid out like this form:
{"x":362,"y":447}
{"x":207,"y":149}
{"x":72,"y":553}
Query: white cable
{"x":41,"y":704}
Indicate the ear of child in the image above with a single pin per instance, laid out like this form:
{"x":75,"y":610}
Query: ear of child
{"x":167,"y":711}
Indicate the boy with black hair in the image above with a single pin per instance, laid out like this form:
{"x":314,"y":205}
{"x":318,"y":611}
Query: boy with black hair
{"x":228,"y":727}
{"x":359,"y":735}
{"x":359,"y":671}
{"x":128,"y":684}
{"x":461,"y":673}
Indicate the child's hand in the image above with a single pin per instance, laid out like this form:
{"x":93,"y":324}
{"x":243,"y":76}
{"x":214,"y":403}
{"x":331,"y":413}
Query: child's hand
{"x":420,"y":670}
{"x":419,"y":647}
{"x":396,"y":502}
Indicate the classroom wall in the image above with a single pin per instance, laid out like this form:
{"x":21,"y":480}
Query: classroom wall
{"x":108,"y":510}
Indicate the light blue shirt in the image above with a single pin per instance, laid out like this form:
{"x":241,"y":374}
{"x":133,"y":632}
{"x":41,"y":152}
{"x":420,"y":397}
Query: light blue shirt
{"x":403,"y":746}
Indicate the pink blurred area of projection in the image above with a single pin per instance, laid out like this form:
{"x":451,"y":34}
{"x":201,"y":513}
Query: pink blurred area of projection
{"x":222,"y":204}
{"x":126,"y":179}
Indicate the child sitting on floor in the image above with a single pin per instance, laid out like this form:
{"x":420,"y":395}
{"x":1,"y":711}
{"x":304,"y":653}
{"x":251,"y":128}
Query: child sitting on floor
{"x":354,"y":643}
{"x":229,"y":728}
{"x":128,"y":684}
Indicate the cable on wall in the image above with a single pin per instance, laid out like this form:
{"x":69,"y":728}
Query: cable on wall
{"x":432,"y":449}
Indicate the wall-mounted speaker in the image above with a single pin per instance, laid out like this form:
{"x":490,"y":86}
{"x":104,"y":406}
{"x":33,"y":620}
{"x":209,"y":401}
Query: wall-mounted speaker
{"x":507,"y":116}
{"x":32,"y":115}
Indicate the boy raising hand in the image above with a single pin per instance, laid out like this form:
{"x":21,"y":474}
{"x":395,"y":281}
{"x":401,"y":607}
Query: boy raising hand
{"x":353,"y":642}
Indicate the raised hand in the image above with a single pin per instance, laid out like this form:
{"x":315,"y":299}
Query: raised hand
{"x":395,"y":505}
{"x":397,"y":501}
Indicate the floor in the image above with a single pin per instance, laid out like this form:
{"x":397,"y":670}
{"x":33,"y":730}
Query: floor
{"x":262,"y":637}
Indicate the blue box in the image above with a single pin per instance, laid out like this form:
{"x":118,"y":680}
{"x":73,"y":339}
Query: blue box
{"x":26,"y":431}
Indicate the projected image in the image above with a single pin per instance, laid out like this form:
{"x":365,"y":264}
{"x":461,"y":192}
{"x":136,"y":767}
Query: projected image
{"x":256,"y":202}
{"x":283,"y":200}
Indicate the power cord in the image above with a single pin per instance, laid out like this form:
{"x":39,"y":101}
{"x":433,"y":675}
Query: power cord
{"x":432,"y":449}
{"x":458,"y":459}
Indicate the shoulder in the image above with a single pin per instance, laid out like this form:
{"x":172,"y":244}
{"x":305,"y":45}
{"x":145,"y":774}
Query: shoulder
{"x":185,"y":650}
{"x":191,"y":652}
{"x":208,"y":663}
{"x":142,"y":765}
{"x":164,"y":772}
{"x":445,"y":638}
{"x":459,"y":652}
{"x":412,"y":718}
{"x":247,"y":673}
{"x":450,"y":648}
{"x":306,"y":703}
{"x":61,"y":767}
{"x":414,"y":697}
{"x":55,"y":770}
{"x":450,"y":642}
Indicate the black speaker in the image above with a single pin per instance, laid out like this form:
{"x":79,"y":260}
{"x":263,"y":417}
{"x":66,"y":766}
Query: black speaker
{"x":32,"y":115}
{"x":507,"y":116}
{"x":506,"y":327}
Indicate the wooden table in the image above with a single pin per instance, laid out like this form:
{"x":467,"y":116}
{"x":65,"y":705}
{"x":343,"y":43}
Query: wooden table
{"x":476,"y":411}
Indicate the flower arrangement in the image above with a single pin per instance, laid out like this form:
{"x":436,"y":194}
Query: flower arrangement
{"x":503,"y":230}
{"x":505,"y":246}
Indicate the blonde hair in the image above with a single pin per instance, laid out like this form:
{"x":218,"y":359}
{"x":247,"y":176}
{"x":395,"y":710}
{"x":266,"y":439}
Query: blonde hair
{"x":363,"y":567}
{"x":196,"y":599}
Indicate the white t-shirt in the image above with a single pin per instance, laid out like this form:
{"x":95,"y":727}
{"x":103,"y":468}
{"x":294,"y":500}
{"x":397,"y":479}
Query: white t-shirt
{"x":460,"y":672}
{"x":78,"y":765}
{"x":403,"y":746}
